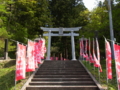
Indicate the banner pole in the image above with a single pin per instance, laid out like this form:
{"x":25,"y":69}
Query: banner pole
{"x":15,"y":85}
{"x":99,"y":74}
{"x":16,"y":64}
{"x":93,"y":56}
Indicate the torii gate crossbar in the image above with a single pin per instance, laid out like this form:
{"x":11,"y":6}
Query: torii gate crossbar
{"x":60,"y":30}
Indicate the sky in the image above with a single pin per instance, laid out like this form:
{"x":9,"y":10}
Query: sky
{"x":90,"y":4}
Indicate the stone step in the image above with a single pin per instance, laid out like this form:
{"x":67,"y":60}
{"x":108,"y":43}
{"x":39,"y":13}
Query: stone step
{"x":63,"y":87}
{"x":61,"y":73}
{"x":61,"y":69}
{"x":81,"y":70}
{"x":61,"y":76}
{"x":61,"y":79}
{"x":62,"y":83}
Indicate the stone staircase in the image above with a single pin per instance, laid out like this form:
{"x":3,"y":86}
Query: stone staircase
{"x":62,"y":75}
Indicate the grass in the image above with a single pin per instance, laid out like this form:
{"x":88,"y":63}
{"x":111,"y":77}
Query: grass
{"x":112,"y":84}
{"x":7,"y":76}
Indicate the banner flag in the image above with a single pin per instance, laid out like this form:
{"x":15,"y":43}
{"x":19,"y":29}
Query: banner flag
{"x":96,"y":64}
{"x":56,"y":58}
{"x":89,"y":51}
{"x":117,"y":61}
{"x":108,"y":60}
{"x":98,"y":54}
{"x":30,"y":62}
{"x":37,"y":53}
{"x":81,"y":47}
{"x":86,"y":46}
{"x":20,"y":62}
{"x":42,"y":48}
{"x":91,"y":59}
{"x":51,"y":58}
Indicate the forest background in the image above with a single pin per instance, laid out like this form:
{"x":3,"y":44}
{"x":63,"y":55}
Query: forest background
{"x":20,"y":19}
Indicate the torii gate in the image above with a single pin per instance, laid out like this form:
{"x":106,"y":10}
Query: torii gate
{"x":60,"y":30}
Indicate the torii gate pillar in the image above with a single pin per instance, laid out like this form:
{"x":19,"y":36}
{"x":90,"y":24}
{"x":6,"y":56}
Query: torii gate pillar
{"x":73,"y":46}
{"x":60,"y":30}
{"x":49,"y":45}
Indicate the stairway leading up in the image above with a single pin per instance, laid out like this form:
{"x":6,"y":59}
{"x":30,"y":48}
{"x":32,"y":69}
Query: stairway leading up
{"x":62,"y":75}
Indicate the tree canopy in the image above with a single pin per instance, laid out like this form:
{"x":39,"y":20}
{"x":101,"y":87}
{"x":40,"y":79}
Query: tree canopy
{"x":23,"y":18}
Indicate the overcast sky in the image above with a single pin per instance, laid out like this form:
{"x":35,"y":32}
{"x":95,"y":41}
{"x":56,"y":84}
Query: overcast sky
{"x":90,"y":4}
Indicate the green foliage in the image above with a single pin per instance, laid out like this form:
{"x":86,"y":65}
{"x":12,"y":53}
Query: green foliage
{"x":25,"y":19}
{"x":116,"y":21}
{"x":65,"y":13}
{"x":112,"y":85}
{"x":3,"y":28}
{"x":7,"y":76}
{"x":32,"y":15}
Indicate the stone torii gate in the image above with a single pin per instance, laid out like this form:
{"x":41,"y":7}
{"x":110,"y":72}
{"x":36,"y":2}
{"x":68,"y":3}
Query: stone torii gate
{"x":60,"y":30}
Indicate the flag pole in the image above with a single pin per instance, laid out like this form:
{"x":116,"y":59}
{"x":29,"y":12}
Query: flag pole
{"x":16,"y":64}
{"x":106,"y":66}
{"x":99,"y":73}
{"x":93,"y":55}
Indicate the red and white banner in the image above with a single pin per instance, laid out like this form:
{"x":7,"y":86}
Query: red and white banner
{"x":86,"y":46}
{"x":51,"y":58}
{"x":91,"y":59}
{"x":42,"y":48}
{"x":56,"y":58}
{"x":30,"y":62}
{"x":108,"y":60}
{"x":20,"y":62}
{"x":81,"y":47}
{"x":96,"y":62}
{"x":117,"y":60}
{"x":87,"y":57}
{"x":37,"y":54}
{"x":98,"y":54}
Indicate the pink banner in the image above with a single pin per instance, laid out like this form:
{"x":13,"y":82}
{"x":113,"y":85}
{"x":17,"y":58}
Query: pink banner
{"x":56,"y":58}
{"x":20,"y":62}
{"x":108,"y":60}
{"x":81,"y":47}
{"x":96,"y":62}
{"x":98,"y":55}
{"x":37,"y":54}
{"x":61,"y":58}
{"x":91,"y":59}
{"x":117,"y":60}
{"x":51,"y":58}
{"x":30,"y":63}
{"x":42,"y":48}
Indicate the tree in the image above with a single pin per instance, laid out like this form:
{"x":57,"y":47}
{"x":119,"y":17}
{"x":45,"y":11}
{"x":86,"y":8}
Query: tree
{"x":3,"y":23}
{"x":116,"y":21}
{"x":66,"y":13}
{"x":26,"y":18}
{"x":29,"y":16}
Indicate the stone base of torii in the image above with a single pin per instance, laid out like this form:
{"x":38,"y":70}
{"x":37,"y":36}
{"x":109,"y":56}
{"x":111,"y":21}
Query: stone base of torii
{"x":61,"y":30}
